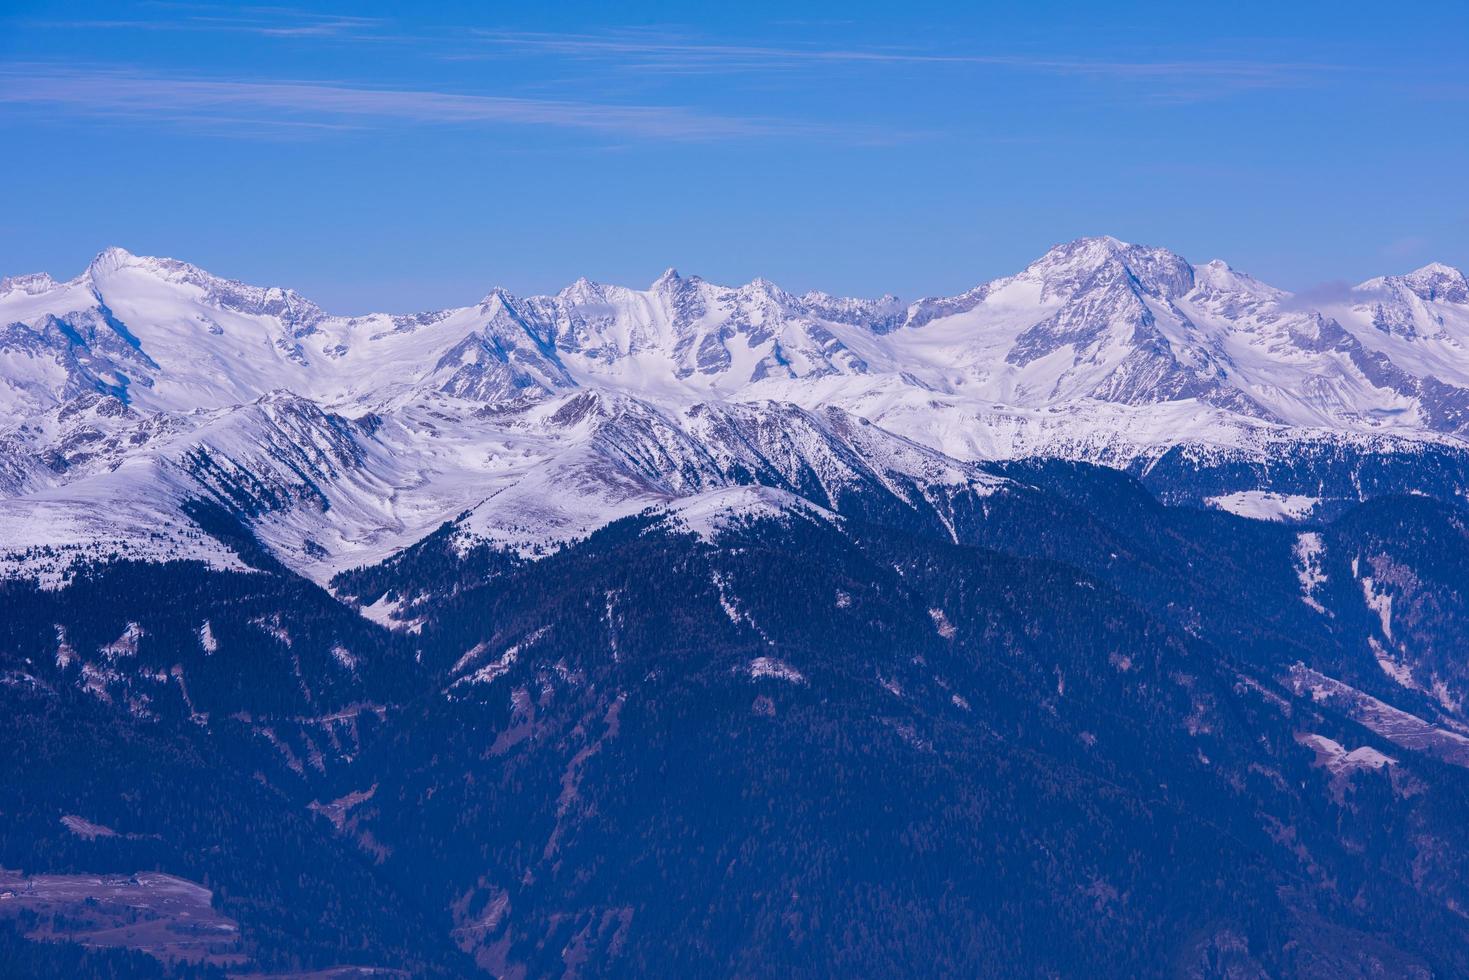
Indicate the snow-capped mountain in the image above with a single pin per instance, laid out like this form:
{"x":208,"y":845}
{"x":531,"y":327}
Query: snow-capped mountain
{"x":805,"y":628}
{"x":145,"y":386}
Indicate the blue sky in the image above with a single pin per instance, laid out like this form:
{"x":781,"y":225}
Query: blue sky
{"x":377,"y":156}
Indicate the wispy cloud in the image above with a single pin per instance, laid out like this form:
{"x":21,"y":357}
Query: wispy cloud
{"x":658,"y":51}
{"x":129,"y":95}
{"x":652,"y":51}
{"x":264,"y":21}
{"x":1325,"y":295}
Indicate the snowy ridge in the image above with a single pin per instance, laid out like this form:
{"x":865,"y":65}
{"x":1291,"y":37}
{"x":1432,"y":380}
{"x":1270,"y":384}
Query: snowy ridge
{"x":709,"y":515}
{"x":144,"y":385}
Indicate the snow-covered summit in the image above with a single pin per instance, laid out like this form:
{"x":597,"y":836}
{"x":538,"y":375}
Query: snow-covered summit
{"x":1073,"y":266}
{"x":600,"y":398}
{"x":32,"y":284}
{"x":1432,"y":282}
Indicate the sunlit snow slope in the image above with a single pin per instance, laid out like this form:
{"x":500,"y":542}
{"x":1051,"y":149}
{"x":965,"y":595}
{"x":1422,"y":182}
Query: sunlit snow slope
{"x":145,"y":398}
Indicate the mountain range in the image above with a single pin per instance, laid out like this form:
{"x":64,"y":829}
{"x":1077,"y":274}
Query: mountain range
{"x":145,"y":383}
{"x":1105,"y":619}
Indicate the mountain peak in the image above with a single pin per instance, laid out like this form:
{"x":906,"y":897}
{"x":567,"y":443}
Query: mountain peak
{"x":1437,"y":269}
{"x":1432,"y":282}
{"x":1219,"y":277}
{"x":295,"y":311}
{"x":109,"y":259}
{"x":32,"y":284}
{"x":114,"y":258}
{"x":583,"y":290}
{"x":500,"y":294}
{"x":764,"y":287}
{"x":674,"y":286}
{"x":1070,"y":266}
{"x":1437,"y":281}
{"x":1099,"y":246}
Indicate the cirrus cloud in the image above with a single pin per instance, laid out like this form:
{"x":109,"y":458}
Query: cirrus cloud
{"x":122,"y":94}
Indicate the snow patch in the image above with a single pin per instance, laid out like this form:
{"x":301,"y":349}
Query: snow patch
{"x":501,"y":666}
{"x":125,"y":645}
{"x":86,"y":829}
{"x":1335,"y":757}
{"x":382,"y":612}
{"x":1310,"y":564}
{"x":1380,"y":603}
{"x":941,"y":624}
{"x":1266,"y":505}
{"x":709,"y":515}
{"x":1445,"y":696}
{"x":778,"y":669}
{"x":271,"y":626}
{"x":66,"y":655}
{"x":1391,"y":666}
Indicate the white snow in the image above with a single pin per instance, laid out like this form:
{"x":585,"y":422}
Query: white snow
{"x":490,"y":671}
{"x":1398,"y":670}
{"x":547,"y":417}
{"x":382,"y":612}
{"x":1309,"y":554}
{"x":1265,"y":505}
{"x":1445,"y":695}
{"x":125,"y":645}
{"x":1392,"y":723}
{"x":1338,"y":760}
{"x":941,"y":623}
{"x":86,"y":829}
{"x":498,"y":667}
{"x":771,"y":667}
{"x":1380,"y":603}
{"x":710,"y":514}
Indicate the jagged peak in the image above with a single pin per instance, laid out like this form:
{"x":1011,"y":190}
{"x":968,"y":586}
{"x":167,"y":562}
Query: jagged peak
{"x":1090,"y":249}
{"x":1439,"y":281}
{"x":293,"y":309}
{"x":582,"y":291}
{"x":1096,"y":250}
{"x":31,"y":283}
{"x":111,"y":258}
{"x":1066,"y":267}
{"x":114,"y":257}
{"x":498,"y":295}
{"x":1434,"y":281}
{"x":760,"y":286}
{"x":1220,"y":277}
{"x":817,"y":297}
